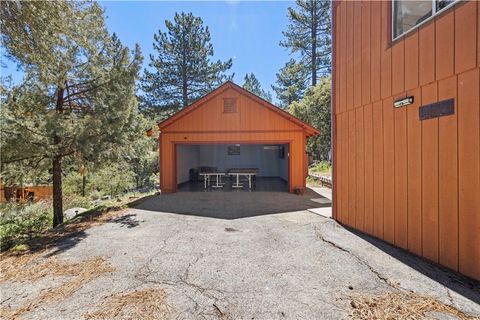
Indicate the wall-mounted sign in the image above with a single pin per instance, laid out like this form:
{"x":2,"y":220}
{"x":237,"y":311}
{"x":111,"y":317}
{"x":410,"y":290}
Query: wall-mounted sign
{"x":437,"y":109}
{"x":403,"y":102}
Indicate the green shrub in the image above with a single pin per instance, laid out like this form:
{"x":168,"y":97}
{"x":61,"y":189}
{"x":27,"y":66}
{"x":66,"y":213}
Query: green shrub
{"x":23,"y":221}
{"x":76,"y":201}
{"x":112,"y":180}
{"x":321,"y":167}
{"x":95,"y":195}
{"x":72,"y":184}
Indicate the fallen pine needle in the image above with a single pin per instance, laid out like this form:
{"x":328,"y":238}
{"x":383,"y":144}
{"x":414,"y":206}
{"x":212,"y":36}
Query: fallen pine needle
{"x":147,"y":304}
{"x":401,"y":305}
{"x":80,"y":273}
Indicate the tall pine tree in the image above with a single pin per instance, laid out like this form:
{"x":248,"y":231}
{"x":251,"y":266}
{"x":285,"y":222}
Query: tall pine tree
{"x":309,"y":34}
{"x":291,"y":83}
{"x":253,"y":85}
{"x":77,"y":98}
{"x":182,"y":71}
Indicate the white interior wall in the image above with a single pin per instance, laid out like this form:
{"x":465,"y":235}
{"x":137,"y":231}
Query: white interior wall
{"x":251,"y":156}
{"x":283,"y":165}
{"x":187,"y":158}
{"x":267,"y":161}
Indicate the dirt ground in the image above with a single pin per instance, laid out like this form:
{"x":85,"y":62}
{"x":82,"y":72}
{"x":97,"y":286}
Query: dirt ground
{"x":251,"y":263}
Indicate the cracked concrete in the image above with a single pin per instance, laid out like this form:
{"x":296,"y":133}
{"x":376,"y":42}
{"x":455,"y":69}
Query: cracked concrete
{"x":360,"y":260}
{"x":292,"y":265}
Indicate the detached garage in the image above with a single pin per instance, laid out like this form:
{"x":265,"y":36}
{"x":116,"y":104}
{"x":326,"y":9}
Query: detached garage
{"x":232,"y":139}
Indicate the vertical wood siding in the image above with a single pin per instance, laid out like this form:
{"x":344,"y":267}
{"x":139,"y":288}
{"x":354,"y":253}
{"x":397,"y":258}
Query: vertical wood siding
{"x":412,"y":183}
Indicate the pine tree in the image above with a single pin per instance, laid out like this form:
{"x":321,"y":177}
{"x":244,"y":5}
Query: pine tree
{"x":182,"y":70}
{"x":291,"y":83}
{"x":253,"y":85}
{"x":77,"y":98}
{"x":309,"y":34}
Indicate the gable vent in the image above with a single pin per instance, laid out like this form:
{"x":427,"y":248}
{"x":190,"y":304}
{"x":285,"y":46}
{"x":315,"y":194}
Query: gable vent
{"x":229,"y":105}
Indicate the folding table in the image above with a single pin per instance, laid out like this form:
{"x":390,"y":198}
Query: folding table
{"x":246,"y":172}
{"x":218,"y":181}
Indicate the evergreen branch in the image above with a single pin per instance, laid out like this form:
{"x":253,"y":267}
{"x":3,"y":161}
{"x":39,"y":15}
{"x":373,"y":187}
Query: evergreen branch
{"x":22,"y":159}
{"x":85,"y":91}
{"x":28,"y":129}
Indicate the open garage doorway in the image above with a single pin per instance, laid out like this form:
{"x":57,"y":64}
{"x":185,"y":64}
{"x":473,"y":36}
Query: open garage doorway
{"x":229,"y":167}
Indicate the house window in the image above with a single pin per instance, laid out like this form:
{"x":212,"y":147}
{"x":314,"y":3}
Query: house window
{"x":229,"y":105}
{"x":408,"y":14}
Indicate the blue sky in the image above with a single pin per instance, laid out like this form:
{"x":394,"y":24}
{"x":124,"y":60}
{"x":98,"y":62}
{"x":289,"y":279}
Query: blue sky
{"x":247,"y":31}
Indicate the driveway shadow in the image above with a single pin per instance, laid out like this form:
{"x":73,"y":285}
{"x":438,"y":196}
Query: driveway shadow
{"x":233,"y":205}
{"x":68,"y":235}
{"x":463,"y":285}
{"x":128,"y":220}
{"x":61,"y":240}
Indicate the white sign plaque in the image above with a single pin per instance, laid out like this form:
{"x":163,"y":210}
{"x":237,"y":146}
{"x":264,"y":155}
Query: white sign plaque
{"x":403,"y":102}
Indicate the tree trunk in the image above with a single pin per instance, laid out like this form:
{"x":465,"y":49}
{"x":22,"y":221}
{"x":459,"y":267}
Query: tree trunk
{"x":314,"y":43}
{"x":57,"y":168}
{"x":57,"y":191}
{"x":184,"y":73}
{"x":184,"y":93}
{"x":84,"y":183}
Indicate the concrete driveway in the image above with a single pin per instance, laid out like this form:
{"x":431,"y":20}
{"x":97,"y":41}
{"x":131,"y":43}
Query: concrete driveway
{"x":235,"y":204}
{"x":288,"y":265}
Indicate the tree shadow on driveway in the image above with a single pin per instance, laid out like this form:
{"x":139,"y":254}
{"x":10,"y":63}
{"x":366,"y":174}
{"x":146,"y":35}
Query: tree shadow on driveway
{"x":128,"y":220}
{"x":60,"y":241}
{"x":233,"y":205}
{"x":68,"y":235}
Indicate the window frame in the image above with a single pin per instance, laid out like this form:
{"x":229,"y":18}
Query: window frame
{"x":435,"y":12}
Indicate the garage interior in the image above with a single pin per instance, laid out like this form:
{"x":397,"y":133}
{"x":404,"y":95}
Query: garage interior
{"x":269,"y":161}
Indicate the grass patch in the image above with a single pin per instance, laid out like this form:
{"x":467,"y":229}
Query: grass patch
{"x":321,"y":167}
{"x":312,"y":182}
{"x":401,"y":305}
{"x":20,"y":248}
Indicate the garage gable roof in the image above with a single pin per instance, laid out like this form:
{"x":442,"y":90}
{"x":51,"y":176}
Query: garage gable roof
{"x":309,"y":130}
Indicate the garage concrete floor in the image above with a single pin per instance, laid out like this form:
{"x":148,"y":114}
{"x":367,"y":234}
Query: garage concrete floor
{"x":230,"y":256}
{"x":233,"y":205}
{"x":259,"y":184}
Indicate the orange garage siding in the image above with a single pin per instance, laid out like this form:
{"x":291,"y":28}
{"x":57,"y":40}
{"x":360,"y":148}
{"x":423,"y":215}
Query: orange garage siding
{"x":255,"y":121}
{"x":412,"y":183}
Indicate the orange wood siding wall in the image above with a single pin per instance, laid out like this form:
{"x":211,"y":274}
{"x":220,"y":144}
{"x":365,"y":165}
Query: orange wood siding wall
{"x":252,"y":123}
{"x":2,"y":194}
{"x":415,"y":184}
{"x":40,"y":192}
